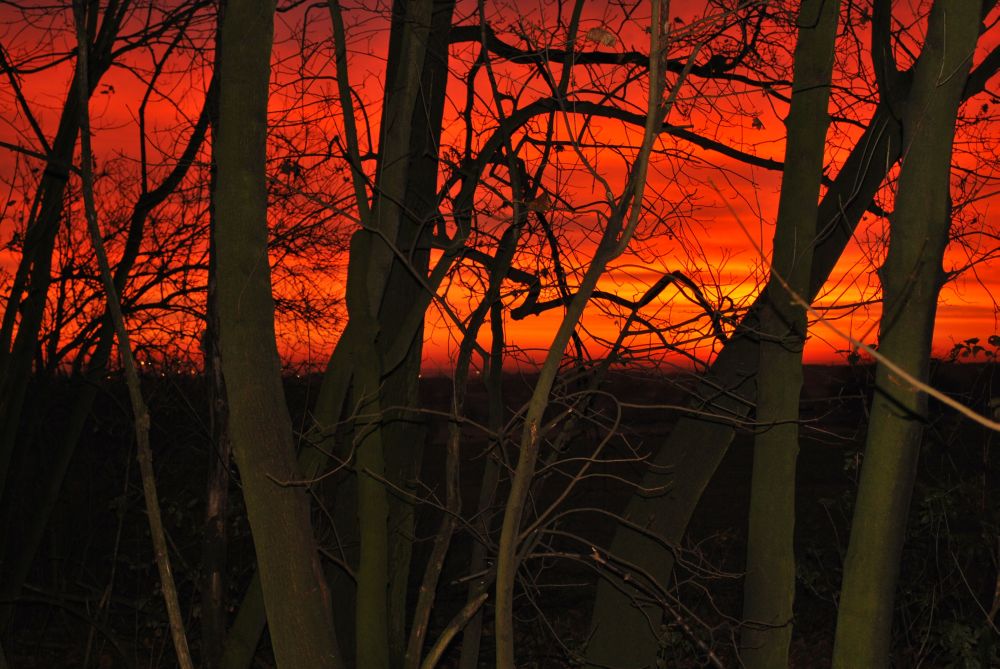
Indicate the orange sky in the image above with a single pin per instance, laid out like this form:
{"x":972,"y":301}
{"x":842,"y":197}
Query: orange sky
{"x":706,"y":243}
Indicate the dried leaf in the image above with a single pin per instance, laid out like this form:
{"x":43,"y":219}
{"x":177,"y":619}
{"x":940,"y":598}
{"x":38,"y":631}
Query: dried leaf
{"x":601,"y":36}
{"x":540,"y":204}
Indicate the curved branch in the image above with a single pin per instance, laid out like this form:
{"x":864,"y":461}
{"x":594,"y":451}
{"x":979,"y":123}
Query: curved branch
{"x":470,"y":171}
{"x":887,"y":75}
{"x":710,"y":70}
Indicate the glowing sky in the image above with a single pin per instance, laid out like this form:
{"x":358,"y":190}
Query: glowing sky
{"x":692,"y":195}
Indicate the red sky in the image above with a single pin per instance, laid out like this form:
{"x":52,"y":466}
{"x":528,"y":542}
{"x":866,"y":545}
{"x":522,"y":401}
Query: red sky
{"x":707,"y":244}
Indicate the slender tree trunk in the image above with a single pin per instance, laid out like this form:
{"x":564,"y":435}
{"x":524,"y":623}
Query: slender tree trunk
{"x":410,"y":143}
{"x":407,"y":172}
{"x":214,"y":547}
{"x":497,"y":273}
{"x":473,"y":632}
{"x":911,"y":279}
{"x":34,"y":271}
{"x":140,"y":411}
{"x":617,"y":232}
{"x":15,"y":565}
{"x":291,"y":576}
{"x":372,"y":262}
{"x":769,"y":588}
{"x":26,"y":307}
{"x":215,"y":544}
{"x":623,"y":634}
{"x":403,"y":430}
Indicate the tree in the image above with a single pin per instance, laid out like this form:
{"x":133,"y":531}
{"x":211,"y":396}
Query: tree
{"x":657,"y":516}
{"x":140,"y":420}
{"x":509,"y":165}
{"x":214,"y":603}
{"x":28,"y":520}
{"x":25,"y":308}
{"x":911,"y":278}
{"x":620,"y":228}
{"x":291,"y":576}
{"x":386,"y":302}
{"x":353,"y":379}
{"x":769,"y":588}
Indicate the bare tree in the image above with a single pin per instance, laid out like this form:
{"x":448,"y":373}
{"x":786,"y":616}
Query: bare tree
{"x":770,"y":581}
{"x":911,"y":278}
{"x":683,"y":465}
{"x":291,"y":577}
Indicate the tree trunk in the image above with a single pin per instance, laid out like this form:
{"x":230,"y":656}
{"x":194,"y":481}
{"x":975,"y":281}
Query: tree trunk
{"x":911,"y":278}
{"x":374,"y":289}
{"x":34,"y":273}
{"x":291,"y":576}
{"x":394,"y":294}
{"x":683,"y":465}
{"x":624,"y":635}
{"x":15,"y":565}
{"x":26,"y":306}
{"x":216,"y":541}
{"x":769,"y":587}
{"x":614,"y":238}
{"x":403,"y":430}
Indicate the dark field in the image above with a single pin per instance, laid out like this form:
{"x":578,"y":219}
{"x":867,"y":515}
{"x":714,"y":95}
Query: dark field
{"x":93,"y":597}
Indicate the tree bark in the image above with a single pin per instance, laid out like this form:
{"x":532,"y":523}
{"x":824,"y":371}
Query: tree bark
{"x":623,"y":634}
{"x":216,"y":541}
{"x":415,"y":187}
{"x":291,"y":576}
{"x":769,"y":586}
{"x":683,"y":465}
{"x":911,"y":278}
